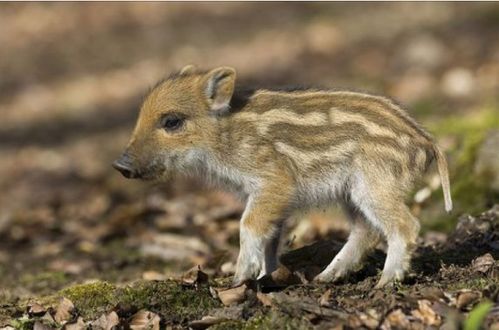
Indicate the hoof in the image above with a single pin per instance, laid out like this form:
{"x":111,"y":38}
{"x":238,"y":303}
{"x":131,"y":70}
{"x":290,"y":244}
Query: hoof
{"x":237,"y":282}
{"x":329,"y":277}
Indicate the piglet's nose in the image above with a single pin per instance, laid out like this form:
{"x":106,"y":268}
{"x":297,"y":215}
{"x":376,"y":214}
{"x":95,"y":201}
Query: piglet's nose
{"x":124,"y":166}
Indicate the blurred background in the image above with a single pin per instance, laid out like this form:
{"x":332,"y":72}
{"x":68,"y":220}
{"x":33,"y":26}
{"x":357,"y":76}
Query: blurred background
{"x":72,"y":76}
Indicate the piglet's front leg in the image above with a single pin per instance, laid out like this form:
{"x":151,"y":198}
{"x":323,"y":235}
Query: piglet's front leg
{"x":258,"y":233}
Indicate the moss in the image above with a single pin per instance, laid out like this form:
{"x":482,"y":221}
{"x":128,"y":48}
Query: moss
{"x":91,"y":298}
{"x":174,"y":302}
{"x":473,"y":283}
{"x":229,"y":325}
{"x":276,"y":320}
{"x":271,"y":320}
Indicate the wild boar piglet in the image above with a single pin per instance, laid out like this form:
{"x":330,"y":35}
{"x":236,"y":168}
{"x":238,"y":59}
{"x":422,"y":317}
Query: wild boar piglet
{"x":288,"y":151}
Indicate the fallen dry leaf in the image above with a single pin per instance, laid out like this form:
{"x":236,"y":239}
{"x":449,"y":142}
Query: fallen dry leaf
{"x":64,"y":311}
{"x":483,"y":264}
{"x":325,"y":298}
{"x":36,"y":310}
{"x":143,"y":320}
{"x":432,"y":293}
{"x":426,"y":314}
{"x":106,"y":322}
{"x":233,"y":295}
{"x":467,"y":298}
{"x":353,"y":322}
{"x":78,"y":325}
{"x":206,"y":322}
{"x":281,"y":277}
{"x":395,"y":320}
{"x":370,"y":319}
{"x":264,"y":298}
{"x":153,"y":276}
{"x":194,"y":276}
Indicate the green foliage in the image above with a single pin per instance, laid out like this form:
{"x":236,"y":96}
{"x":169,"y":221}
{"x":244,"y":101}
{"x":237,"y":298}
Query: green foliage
{"x":176,"y":303}
{"x":92,"y":298}
{"x":229,"y":325}
{"x":472,"y":283}
{"x":268,"y":321}
{"x":276,"y":320}
{"x":477,"y":316}
{"x":471,"y":193}
{"x":22,"y":323}
{"x":170,"y":299}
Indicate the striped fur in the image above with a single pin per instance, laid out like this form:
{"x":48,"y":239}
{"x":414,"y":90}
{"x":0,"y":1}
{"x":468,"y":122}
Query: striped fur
{"x":289,"y":151}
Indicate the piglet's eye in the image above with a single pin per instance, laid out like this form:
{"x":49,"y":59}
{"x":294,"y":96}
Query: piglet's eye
{"x":172,"y":122}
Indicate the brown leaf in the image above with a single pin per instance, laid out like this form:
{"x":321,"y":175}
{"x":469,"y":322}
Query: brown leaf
{"x":8,"y":327}
{"x":143,"y":320}
{"x":281,"y":277}
{"x":194,"y":276}
{"x":370,"y":319}
{"x":396,"y":319}
{"x":426,"y":314}
{"x":152,"y":275}
{"x":64,"y":311}
{"x":106,"y":322}
{"x":325,"y":298}
{"x":431,"y":293}
{"x":466,"y":298}
{"x":483,"y":264}
{"x":36,"y":310}
{"x":206,"y":322}
{"x":78,"y":325}
{"x":233,"y":295}
{"x":265,"y":299}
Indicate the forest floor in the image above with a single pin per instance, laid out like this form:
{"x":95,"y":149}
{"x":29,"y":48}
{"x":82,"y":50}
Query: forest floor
{"x":119,"y":252}
{"x":450,"y":277}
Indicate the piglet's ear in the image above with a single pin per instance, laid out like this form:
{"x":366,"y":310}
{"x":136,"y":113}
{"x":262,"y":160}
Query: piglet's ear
{"x":187,"y":70}
{"x":218,"y":87}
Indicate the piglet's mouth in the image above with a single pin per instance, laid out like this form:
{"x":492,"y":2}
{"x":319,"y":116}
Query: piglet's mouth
{"x":123,"y":165}
{"x":141,"y":174}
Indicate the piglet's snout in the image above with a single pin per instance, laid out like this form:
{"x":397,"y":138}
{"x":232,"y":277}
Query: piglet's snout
{"x":125,"y":167}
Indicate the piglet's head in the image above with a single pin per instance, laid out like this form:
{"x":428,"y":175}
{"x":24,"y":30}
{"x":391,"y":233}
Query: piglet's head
{"x":178,"y":121}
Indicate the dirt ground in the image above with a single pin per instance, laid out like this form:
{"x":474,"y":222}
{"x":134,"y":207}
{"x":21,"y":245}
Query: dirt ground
{"x":121,"y":253}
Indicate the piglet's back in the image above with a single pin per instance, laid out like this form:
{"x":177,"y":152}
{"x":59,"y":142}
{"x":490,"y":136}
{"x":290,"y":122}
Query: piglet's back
{"x":319,"y":126}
